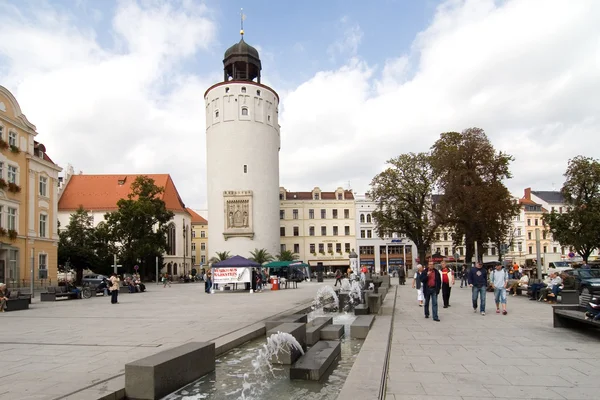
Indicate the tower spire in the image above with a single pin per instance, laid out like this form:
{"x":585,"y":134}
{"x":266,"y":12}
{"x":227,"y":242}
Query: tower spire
{"x":242,"y":18}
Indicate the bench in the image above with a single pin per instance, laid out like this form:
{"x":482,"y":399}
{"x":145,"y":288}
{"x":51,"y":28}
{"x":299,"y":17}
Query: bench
{"x":572,"y":315}
{"x":17,"y":301}
{"x":361,"y":326}
{"x":158,"y":375}
{"x":54,"y":293}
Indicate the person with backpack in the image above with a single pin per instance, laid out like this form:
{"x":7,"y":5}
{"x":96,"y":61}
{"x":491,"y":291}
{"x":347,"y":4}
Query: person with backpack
{"x":499,"y":282}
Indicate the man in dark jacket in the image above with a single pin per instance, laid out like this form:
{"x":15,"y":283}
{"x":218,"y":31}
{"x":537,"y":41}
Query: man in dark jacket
{"x":478,"y":283}
{"x":432,"y":283}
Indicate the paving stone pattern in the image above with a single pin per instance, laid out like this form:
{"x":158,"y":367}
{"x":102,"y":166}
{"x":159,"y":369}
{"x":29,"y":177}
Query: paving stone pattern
{"x":469,"y":356}
{"x":61,"y":348}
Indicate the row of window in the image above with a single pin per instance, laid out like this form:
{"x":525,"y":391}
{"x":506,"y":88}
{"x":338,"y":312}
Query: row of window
{"x":321,"y":247}
{"x":202,"y":234}
{"x":202,"y":246}
{"x":11,"y":221}
{"x":311,"y":213}
{"x":368,"y":218}
{"x":311,"y":231}
{"x":12,"y":174}
{"x":390,"y":249}
{"x":316,"y":196}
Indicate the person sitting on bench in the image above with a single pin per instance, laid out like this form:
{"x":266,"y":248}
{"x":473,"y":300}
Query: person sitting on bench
{"x":593,"y":309}
{"x":552,"y":288}
{"x":521,"y":283}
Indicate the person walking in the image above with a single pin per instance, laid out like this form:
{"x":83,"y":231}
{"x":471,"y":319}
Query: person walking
{"x":478,"y":284}
{"x":417,"y":285}
{"x":338,"y":277}
{"x":499,"y":283}
{"x":432,"y":283}
{"x":114,"y":288}
{"x":464,"y":277}
{"x":401,"y":276}
{"x":447,"y":283}
{"x":166,"y":281}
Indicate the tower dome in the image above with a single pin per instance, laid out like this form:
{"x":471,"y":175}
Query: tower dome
{"x":241,"y":63}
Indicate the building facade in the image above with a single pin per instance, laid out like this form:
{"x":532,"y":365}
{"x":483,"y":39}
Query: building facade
{"x":199,"y":240}
{"x":318,"y":226}
{"x":99,"y":194}
{"x":28,"y":201}
{"x":242,"y":143}
{"x":379,"y":254}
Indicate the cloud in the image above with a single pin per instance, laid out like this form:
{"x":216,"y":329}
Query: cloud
{"x":529,"y":77}
{"x":347,"y":45}
{"x":125,"y":109}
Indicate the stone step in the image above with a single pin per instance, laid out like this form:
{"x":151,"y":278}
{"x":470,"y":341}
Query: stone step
{"x":361,"y":309}
{"x":289,"y":355}
{"x":361,"y":326}
{"x":313,"y":329}
{"x":272,"y":323}
{"x":332,"y":332}
{"x":312,"y":365}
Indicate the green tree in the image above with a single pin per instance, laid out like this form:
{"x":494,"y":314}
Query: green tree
{"x":76,"y":243}
{"x":475,"y":202}
{"x":261,"y":256}
{"x":287,"y":255}
{"x":579,"y":226}
{"x":404,"y":203}
{"x":140,"y":224}
{"x":220,"y":256}
{"x":104,"y":248}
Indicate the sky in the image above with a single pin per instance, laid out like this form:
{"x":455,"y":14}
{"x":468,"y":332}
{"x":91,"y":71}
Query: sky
{"x":118,"y":86}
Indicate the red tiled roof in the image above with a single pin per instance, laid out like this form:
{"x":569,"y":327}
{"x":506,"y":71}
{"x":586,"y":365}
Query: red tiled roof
{"x":527,"y":201}
{"x":196,"y":218}
{"x":348,"y":195}
{"x":102,"y":192}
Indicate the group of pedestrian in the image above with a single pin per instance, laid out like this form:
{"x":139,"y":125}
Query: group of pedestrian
{"x":430,"y":281}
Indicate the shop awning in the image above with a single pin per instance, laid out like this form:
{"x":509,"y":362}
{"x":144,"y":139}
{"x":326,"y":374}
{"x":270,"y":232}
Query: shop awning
{"x":330,"y":263}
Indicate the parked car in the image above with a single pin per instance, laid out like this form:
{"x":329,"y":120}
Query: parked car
{"x":92,"y":279}
{"x":587,"y":281}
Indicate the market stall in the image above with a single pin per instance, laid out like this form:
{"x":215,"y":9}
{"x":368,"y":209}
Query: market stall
{"x":233,"y":271}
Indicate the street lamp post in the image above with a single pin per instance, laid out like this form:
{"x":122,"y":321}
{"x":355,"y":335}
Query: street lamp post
{"x":184,"y":247}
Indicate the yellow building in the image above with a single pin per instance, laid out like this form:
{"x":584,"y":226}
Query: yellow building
{"x":319,"y":227}
{"x":28,"y":201}
{"x":199,"y":240}
{"x":533,"y":221}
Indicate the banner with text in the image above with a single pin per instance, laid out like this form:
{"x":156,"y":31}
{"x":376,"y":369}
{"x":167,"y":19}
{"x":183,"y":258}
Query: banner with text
{"x":231,"y":275}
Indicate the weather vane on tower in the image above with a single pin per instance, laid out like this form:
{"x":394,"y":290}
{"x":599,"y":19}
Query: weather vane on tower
{"x":242,"y":17}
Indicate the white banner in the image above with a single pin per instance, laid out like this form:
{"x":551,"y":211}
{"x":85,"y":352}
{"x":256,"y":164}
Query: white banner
{"x":231,"y":275}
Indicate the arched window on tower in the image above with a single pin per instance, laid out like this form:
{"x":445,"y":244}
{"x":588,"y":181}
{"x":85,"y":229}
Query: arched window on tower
{"x":368,"y":218}
{"x":362,"y":218}
{"x":171,"y":235}
{"x":244,"y":110}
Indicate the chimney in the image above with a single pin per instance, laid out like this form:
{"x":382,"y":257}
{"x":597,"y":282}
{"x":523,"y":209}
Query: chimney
{"x":528,"y":193}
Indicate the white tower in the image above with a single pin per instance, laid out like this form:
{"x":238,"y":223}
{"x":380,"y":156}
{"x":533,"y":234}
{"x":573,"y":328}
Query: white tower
{"x":242,"y":144}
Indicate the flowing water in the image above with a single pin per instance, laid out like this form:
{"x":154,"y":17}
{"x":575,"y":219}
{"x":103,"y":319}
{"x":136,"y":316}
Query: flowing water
{"x":243,"y":374}
{"x":325,"y":295}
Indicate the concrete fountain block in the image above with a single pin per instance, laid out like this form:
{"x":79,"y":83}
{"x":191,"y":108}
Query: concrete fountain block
{"x":361,"y":309}
{"x":312,"y":365}
{"x":332,"y":332}
{"x":313,"y":329}
{"x":158,"y":375}
{"x":272,"y":323}
{"x":298,"y":331}
{"x":361,"y":326}
{"x":344,"y":300}
{"x":374,"y":302}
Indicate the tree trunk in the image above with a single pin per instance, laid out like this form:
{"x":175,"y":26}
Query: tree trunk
{"x":422,"y":249}
{"x":469,"y":247}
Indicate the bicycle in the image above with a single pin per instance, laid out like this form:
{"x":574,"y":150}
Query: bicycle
{"x":86,"y":292}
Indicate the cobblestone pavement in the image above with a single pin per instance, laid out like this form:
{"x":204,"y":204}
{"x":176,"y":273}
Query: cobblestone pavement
{"x":469,"y":356}
{"x":59,"y":348}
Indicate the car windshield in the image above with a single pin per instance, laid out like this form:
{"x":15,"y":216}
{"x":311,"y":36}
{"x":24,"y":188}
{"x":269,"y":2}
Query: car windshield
{"x":589,"y":273}
{"x":561,"y":264}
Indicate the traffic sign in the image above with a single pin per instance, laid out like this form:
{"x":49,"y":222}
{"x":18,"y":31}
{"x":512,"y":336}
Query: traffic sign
{"x":571,"y":254}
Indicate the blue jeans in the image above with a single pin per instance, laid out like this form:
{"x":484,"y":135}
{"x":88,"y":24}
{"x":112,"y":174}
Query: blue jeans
{"x":431,"y":295}
{"x":464,"y":280}
{"x":479,"y":291}
{"x":500,"y":295}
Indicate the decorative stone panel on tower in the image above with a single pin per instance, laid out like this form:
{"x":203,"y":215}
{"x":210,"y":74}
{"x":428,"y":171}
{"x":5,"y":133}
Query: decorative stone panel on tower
{"x":238,"y":214}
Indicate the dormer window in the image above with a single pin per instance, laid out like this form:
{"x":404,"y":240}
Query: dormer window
{"x":243,"y":89}
{"x":121,"y":181}
{"x":258,"y":92}
{"x":41,"y":154}
{"x":316,"y":196}
{"x":340,"y":196}
{"x":244,"y":110}
{"x":217,"y":114}
{"x":226,"y":90}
